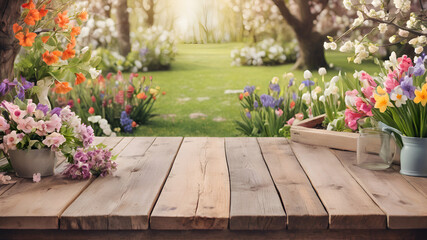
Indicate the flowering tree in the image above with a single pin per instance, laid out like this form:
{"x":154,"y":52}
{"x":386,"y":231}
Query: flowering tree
{"x":303,"y":16}
{"x":10,"y":11}
{"x":407,"y":18}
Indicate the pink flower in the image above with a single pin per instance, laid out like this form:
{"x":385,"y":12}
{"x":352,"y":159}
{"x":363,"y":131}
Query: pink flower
{"x":10,"y":140}
{"x":351,"y":118}
{"x":31,"y":107}
{"x":368,"y":78}
{"x":350,"y":97}
{"x":391,"y":83}
{"x":404,"y":63}
{"x":41,"y":128}
{"x":37,"y":177}
{"x":4,"y":126}
{"x":53,"y":124}
{"x":299,"y":116}
{"x":279,"y":112}
{"x":54,"y":140}
{"x":369,"y":93}
{"x":9,"y":106}
{"x":27,"y":124}
{"x":290,"y":121}
{"x":363,"y":107}
{"x":17,"y":114}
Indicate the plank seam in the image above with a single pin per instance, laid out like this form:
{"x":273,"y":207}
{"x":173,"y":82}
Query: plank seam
{"x":308,"y":177}
{"x":229,"y":183}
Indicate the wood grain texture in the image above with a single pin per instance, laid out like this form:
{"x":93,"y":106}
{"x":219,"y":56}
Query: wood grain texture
{"x":255,"y":203}
{"x":303,"y":208}
{"x":197,"y":192}
{"x":29,"y":205}
{"x":347,"y":204}
{"x":404,"y":205}
{"x":420,"y":183}
{"x":91,"y":209}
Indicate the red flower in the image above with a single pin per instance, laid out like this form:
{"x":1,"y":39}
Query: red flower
{"x":109,"y":75}
{"x":120,"y":97}
{"x":91,"y":110}
{"x":71,"y":103}
{"x":130,"y":91}
{"x":128,"y":109}
{"x":93,"y":99}
{"x":163,"y":93}
{"x":134,"y":124}
{"x":154,"y":98}
{"x":78,"y":100}
{"x":241,"y":96}
{"x":292,"y":105}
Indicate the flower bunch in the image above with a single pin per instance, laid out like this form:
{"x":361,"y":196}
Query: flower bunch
{"x":266,"y":52}
{"x":102,"y":127}
{"x":95,"y":161}
{"x":48,"y":34}
{"x":397,"y":97}
{"x":15,"y":89}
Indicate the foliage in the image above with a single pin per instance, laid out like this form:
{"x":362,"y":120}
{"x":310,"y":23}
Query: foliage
{"x":266,"y":52}
{"x":123,"y":104}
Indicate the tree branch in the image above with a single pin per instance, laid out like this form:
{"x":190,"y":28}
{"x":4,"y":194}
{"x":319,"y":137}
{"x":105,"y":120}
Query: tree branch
{"x":291,"y":19}
{"x":394,"y":25}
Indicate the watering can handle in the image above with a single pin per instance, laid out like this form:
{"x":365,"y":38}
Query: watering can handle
{"x":393,"y":132}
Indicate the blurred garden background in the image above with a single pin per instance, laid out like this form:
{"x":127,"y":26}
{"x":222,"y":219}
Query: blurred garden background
{"x":199,"y":67}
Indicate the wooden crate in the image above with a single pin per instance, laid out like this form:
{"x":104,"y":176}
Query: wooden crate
{"x":305,"y":132}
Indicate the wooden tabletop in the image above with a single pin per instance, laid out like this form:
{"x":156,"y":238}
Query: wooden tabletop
{"x":220,"y":184}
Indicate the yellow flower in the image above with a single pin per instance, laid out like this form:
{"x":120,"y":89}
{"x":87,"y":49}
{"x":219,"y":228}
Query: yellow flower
{"x":421,"y":96}
{"x":153,"y":91}
{"x":381,"y":91}
{"x":382,"y":102}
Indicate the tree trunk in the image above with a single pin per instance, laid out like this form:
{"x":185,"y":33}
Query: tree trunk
{"x":123,"y":27}
{"x":10,"y":11}
{"x":149,"y":10}
{"x":311,"y":51}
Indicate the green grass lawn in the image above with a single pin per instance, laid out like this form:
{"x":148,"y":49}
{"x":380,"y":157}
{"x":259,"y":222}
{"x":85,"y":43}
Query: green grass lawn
{"x":196,"y":84}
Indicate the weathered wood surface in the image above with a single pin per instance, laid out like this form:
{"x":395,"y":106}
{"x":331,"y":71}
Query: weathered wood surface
{"x":404,"y":205}
{"x":347,"y":204}
{"x":303,"y":208}
{"x":92,"y":210}
{"x":420,"y":183}
{"x":197,"y":193}
{"x":29,"y":205}
{"x":255,"y":203}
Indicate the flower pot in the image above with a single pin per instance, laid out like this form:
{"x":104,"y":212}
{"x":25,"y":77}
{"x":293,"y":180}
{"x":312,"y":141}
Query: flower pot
{"x":413,"y":159}
{"x":27,"y":162}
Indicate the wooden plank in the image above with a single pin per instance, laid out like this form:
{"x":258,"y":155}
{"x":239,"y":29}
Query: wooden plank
{"x":303,"y":208}
{"x":347,"y":204}
{"x":404,"y":205}
{"x":420,"y":183}
{"x":29,"y":205}
{"x":197,"y":193}
{"x":255,"y":203}
{"x":382,"y":234}
{"x":95,"y":206}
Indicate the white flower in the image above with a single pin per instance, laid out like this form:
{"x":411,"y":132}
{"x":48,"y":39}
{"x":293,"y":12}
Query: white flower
{"x":392,"y":39}
{"x":322,"y":98}
{"x":301,"y":87}
{"x":85,"y":49}
{"x":307,"y":74}
{"x":411,"y":22}
{"x":413,"y":41}
{"x":382,"y":27}
{"x":358,"y":21}
{"x":372,"y":48}
{"x":107,"y":131}
{"x":346,"y":47}
{"x":306,"y":97}
{"x":275,"y":80}
{"x":376,"y":3}
{"x":94,"y":119}
{"x":330,"y":45}
{"x":403,"y":5}
{"x":357,"y":60}
{"x":398,"y":97}
{"x":419,"y":50}
{"x":322,"y":71}
{"x":347,"y":4}
{"x":113,"y":134}
{"x":403,"y":33}
{"x":94,"y":73}
{"x":103,"y":123}
{"x":422,"y":39}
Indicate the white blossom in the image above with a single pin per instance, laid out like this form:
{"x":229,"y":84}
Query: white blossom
{"x":403,"y":33}
{"x":307,"y":74}
{"x":322,"y":71}
{"x":382,"y":27}
{"x":419,"y":50}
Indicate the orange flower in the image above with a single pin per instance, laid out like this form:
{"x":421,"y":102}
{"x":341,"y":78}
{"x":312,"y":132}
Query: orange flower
{"x":91,"y":110}
{"x":51,"y":58}
{"x":62,"y":87}
{"x":80,"y":78}
{"x":62,"y":19}
{"x":68,"y":53}
{"x":292,"y":105}
{"x":141,"y":96}
{"x":45,"y":38}
{"x":75,"y":31}
{"x":16,"y":28}
{"x":32,"y":16}
{"x":72,"y":43}
{"x":29,"y":5}
{"x":27,"y":39}
{"x":42,"y":11}
{"x":82,"y":16}
{"x":134,"y":124}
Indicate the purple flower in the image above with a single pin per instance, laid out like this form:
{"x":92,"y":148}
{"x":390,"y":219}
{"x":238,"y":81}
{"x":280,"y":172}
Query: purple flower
{"x":6,"y":86}
{"x":21,"y":93}
{"x":143,"y":52}
{"x":43,"y":108}
{"x":267,"y":101}
{"x":248,"y":115}
{"x":126,"y":122}
{"x":278,"y":102}
{"x":294,"y":96}
{"x":291,"y":82}
{"x":419,"y":68}
{"x":255,"y":104}
{"x":26,"y":84}
{"x":56,"y":111}
{"x":308,"y":83}
{"x":249,"y":89}
{"x":408,"y":87}
{"x":275,"y":87}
